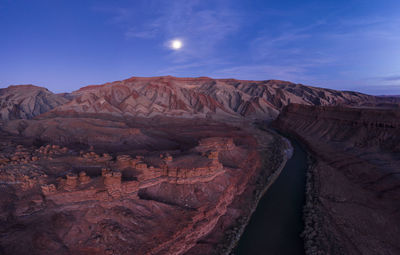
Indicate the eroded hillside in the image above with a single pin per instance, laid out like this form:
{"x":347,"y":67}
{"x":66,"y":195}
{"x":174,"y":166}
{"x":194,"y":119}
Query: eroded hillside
{"x":27,"y":101}
{"x":204,"y":97}
{"x":220,"y":99}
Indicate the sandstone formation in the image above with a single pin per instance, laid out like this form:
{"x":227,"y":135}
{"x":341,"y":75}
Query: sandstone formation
{"x":84,"y":131}
{"x":142,"y":186}
{"x":353,"y":186}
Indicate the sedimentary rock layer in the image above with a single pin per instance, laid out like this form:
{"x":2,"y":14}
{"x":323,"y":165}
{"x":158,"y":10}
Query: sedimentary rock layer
{"x":27,"y":101}
{"x":353,"y":187}
{"x":222,"y":99}
{"x":204,"y":97}
{"x":166,"y":186}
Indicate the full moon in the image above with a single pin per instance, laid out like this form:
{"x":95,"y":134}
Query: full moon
{"x":176,"y":44}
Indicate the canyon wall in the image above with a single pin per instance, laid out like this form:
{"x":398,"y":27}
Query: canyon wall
{"x":172,"y":185}
{"x":353,"y":186}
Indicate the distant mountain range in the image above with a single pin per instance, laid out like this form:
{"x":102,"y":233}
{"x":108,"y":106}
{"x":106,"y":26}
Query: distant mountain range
{"x":178,"y":97}
{"x":27,"y":101}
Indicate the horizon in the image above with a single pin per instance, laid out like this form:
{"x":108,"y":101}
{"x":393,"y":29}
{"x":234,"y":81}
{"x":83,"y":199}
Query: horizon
{"x":340,"y":45}
{"x":187,"y":77}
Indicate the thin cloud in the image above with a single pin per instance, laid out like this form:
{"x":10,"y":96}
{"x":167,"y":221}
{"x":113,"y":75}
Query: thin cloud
{"x":311,"y":53}
{"x":392,"y":78}
{"x":118,"y":15}
{"x":144,"y":34}
{"x":202,"y":29}
{"x":376,"y":28}
{"x":197,"y":68}
{"x":287,"y":45}
{"x":361,"y":21}
{"x":264,"y":72}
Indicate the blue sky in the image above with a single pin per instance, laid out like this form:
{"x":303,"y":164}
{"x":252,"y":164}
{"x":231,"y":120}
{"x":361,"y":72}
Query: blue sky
{"x":64,"y":45}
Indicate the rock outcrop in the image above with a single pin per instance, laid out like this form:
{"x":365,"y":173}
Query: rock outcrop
{"x":117,"y":194}
{"x":84,"y":131}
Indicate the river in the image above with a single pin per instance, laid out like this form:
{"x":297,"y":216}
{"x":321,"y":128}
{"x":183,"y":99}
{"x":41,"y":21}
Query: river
{"x":275,"y":226}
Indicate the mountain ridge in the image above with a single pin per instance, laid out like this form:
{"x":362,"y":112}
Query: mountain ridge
{"x":27,"y":101}
{"x":202,"y":97}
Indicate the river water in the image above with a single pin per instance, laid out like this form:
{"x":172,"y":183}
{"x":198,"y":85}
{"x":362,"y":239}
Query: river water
{"x":275,"y":226}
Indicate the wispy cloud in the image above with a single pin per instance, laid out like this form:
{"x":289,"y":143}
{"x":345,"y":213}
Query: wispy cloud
{"x":286,"y":53}
{"x":334,"y":48}
{"x":387,"y":80}
{"x":376,"y":28}
{"x":201,"y":28}
{"x":143,"y":34}
{"x":392,"y":78}
{"x":379,"y":85}
{"x":118,"y":15}
{"x":342,"y":45}
{"x":282,"y":44}
{"x":263,"y":72}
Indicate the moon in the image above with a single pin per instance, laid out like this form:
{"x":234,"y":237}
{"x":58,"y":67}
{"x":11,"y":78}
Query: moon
{"x":176,"y":44}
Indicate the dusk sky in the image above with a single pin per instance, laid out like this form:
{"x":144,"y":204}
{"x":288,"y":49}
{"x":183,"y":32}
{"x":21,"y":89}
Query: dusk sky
{"x":64,"y":45}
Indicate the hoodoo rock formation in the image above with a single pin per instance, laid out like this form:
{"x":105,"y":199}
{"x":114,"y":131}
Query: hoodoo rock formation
{"x":139,"y":186}
{"x":169,"y":165}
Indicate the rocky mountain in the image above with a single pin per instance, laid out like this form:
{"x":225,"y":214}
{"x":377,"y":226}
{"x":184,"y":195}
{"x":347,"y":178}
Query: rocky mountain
{"x":205,"y":97}
{"x":179,"y":97}
{"x":27,"y":101}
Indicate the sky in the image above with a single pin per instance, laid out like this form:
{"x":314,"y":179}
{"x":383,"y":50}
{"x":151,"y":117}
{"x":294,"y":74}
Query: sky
{"x":65,"y":45}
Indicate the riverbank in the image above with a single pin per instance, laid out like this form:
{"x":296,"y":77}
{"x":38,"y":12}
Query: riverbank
{"x":260,"y":191}
{"x":313,"y":233}
{"x":277,"y":223}
{"x":268,"y":162}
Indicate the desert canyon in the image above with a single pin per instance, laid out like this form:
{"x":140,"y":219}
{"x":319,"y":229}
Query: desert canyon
{"x":167,"y":165}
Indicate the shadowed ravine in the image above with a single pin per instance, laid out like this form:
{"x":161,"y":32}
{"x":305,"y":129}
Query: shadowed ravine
{"x":275,"y":226}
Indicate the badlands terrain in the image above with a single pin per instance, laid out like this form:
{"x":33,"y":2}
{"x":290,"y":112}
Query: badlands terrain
{"x":169,"y":165}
